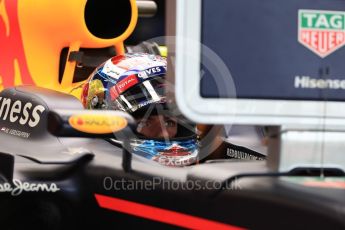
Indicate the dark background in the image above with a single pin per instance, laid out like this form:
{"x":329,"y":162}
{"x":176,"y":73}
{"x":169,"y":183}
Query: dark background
{"x":259,"y":44}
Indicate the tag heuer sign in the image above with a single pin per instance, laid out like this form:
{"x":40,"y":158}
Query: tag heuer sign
{"x":322,"y":32}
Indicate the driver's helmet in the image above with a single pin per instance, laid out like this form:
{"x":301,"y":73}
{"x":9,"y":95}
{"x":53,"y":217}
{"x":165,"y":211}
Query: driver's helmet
{"x":135,"y":83}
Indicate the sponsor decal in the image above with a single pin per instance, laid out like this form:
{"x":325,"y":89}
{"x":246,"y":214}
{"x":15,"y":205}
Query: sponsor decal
{"x":17,"y":133}
{"x":175,"y":155}
{"x":145,"y":103}
{"x":142,"y":104}
{"x":17,"y":112}
{"x":241,"y":155}
{"x":323,"y":32}
{"x":307,"y":82}
{"x":126,"y":83}
{"x":112,"y":70}
{"x":97,"y":123}
{"x":18,"y":187}
{"x":158,"y":70}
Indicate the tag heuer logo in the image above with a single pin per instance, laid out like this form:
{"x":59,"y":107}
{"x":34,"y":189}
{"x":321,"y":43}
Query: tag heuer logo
{"x":323,"y":32}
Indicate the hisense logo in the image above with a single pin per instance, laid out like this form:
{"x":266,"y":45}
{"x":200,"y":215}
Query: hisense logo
{"x":323,"y":32}
{"x":16,"y":112}
{"x":316,"y":83}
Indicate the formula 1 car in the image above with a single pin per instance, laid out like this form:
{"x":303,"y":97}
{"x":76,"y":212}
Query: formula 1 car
{"x":59,"y":169}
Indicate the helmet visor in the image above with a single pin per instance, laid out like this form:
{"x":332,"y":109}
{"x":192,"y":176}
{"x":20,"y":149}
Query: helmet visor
{"x":141,"y":95}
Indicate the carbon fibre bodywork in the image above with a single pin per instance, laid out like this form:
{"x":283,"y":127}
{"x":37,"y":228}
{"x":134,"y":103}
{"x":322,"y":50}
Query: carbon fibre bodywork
{"x":226,"y":193}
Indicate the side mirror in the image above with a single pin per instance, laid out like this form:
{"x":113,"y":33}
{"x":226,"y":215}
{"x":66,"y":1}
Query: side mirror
{"x":94,"y":123}
{"x":89,"y":123}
